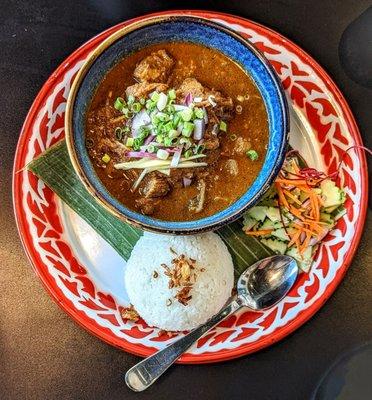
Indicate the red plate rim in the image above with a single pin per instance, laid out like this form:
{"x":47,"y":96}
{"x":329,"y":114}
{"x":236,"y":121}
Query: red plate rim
{"x":105,"y":334}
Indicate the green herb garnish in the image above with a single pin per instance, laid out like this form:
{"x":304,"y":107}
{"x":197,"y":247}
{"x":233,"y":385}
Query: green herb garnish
{"x":106,"y":158}
{"x":119,"y":104}
{"x":252,"y":154}
{"x":223,"y":126}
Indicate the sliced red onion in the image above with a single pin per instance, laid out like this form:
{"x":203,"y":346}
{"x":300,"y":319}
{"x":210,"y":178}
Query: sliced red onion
{"x":186,"y":182}
{"x":199,"y":129}
{"x":188,"y":99}
{"x":305,"y":203}
{"x":149,"y":139}
{"x":289,"y":187}
{"x":139,"y":120}
{"x":315,"y":240}
{"x":139,"y":154}
{"x":176,"y":157}
{"x":172,"y":149}
{"x":302,"y":237}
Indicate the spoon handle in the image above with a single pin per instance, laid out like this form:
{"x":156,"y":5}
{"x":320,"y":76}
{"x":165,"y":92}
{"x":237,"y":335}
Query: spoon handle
{"x":146,"y":372}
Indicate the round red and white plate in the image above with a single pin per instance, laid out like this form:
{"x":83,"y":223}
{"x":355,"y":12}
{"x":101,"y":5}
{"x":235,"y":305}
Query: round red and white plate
{"x":85,"y":275}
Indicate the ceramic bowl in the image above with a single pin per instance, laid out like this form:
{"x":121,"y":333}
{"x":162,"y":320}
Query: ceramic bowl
{"x":167,"y":29}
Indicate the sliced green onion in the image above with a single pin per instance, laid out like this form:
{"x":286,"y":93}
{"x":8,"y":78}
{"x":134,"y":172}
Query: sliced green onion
{"x":125,"y":129}
{"x":154,"y":96}
{"x":186,"y":114}
{"x":168,"y":126}
{"x":130,"y":142}
{"x":142,"y":101}
{"x":144,"y":131}
{"x":172,"y":94}
{"x":176,"y":120}
{"x":138,"y":142}
{"x":136,"y":107}
{"x":162,"y":154}
{"x":187,"y":129}
{"x":151,"y":148}
{"x":161,"y":117}
{"x":126,"y":112}
{"x":199,"y":149}
{"x":199,"y":113}
{"x":130,"y":99}
{"x":252,"y":154}
{"x":233,"y":137}
{"x":168,"y":141}
{"x":160,"y":138}
{"x":223,"y":126}
{"x":186,"y":142}
{"x":170,"y":109}
{"x":119,"y":103}
{"x":188,"y":153}
{"x":173,"y":133}
{"x":106,"y":158}
{"x":150,"y":105}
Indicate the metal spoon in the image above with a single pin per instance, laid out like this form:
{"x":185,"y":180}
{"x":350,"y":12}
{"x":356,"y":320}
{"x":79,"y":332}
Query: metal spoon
{"x":260,"y":286}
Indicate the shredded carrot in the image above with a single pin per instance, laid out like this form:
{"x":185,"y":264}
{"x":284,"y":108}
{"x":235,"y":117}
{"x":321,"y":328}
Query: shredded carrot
{"x":259,"y":233}
{"x":290,"y":195}
{"x":298,"y":245}
{"x":294,"y":182}
{"x":314,"y":226}
{"x":282,"y":200}
{"x":305,"y":189}
{"x":302,"y":228}
{"x":294,"y":238}
{"x":315,"y":206}
{"x":305,"y":244}
{"x":296,"y":213}
{"x":307,"y":223}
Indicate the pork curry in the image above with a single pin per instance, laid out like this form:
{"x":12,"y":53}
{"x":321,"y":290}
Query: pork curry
{"x":177,"y":131}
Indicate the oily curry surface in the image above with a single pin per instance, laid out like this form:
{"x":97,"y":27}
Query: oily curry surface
{"x":230,"y":138}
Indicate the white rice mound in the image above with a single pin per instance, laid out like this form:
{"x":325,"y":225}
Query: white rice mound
{"x":150,"y":295}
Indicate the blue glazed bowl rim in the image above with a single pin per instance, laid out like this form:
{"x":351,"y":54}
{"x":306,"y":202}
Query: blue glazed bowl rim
{"x":101,"y":194}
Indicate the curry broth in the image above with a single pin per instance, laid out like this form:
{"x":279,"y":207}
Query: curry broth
{"x":214,"y":70}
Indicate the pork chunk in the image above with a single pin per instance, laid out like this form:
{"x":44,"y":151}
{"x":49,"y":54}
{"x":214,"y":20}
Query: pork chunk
{"x":146,"y":206}
{"x":211,"y":142}
{"x":156,"y":186}
{"x":221,"y":107}
{"x":107,"y":145}
{"x":192,"y":86}
{"x":144,"y":89}
{"x":232,"y":167}
{"x":241,"y":146}
{"x":155,"y":67}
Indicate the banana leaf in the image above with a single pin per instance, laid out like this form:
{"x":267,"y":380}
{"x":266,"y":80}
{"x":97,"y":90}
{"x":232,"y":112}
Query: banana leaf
{"x":54,"y":168}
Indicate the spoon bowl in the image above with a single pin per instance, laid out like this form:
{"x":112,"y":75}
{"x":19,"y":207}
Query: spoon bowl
{"x":265,"y":283}
{"x":260,"y":286}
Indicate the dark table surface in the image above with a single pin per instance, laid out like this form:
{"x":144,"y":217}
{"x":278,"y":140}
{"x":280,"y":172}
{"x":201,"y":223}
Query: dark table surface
{"x":43,"y":353}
